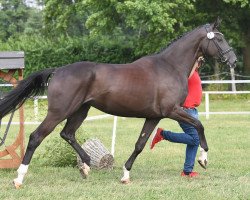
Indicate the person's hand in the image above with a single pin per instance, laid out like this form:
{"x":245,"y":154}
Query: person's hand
{"x":200,"y":60}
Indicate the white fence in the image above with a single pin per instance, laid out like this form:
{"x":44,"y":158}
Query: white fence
{"x":207,"y":112}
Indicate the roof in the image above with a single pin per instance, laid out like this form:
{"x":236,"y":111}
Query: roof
{"x":11,"y":60}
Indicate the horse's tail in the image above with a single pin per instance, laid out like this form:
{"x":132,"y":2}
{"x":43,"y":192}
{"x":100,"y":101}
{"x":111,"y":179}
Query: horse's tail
{"x":33,"y":85}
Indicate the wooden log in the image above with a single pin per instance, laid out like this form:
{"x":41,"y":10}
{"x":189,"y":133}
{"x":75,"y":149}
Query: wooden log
{"x":100,"y":157}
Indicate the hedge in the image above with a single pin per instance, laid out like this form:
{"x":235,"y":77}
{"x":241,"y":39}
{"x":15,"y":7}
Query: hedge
{"x":41,"y":52}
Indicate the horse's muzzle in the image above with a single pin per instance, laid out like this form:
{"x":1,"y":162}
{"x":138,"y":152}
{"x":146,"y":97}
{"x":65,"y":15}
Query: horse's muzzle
{"x":232,"y":65}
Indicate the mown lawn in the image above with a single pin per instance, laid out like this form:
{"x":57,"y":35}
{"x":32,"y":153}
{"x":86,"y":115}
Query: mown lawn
{"x":155,"y":174}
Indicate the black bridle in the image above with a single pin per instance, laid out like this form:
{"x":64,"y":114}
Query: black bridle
{"x":222,"y":53}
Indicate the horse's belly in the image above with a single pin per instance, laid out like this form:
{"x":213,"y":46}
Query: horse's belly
{"x":127,"y":108}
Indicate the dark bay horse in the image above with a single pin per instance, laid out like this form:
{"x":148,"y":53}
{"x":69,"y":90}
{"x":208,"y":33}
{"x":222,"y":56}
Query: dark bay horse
{"x":153,"y":87}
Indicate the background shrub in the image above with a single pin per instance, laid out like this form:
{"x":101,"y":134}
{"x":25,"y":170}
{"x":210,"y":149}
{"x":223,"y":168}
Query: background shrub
{"x":41,"y":52}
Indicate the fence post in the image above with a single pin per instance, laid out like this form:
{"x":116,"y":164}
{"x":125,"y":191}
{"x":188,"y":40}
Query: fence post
{"x":114,"y":136}
{"x":207,"y":104}
{"x":233,"y":79}
{"x":36,"y":109}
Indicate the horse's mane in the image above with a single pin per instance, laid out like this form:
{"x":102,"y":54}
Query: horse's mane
{"x":180,"y":37}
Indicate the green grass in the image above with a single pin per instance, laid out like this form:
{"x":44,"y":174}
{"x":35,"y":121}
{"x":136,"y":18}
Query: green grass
{"x":155,"y":174}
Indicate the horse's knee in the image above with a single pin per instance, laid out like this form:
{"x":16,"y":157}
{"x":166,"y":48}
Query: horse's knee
{"x":138,"y":148}
{"x":141,"y":142}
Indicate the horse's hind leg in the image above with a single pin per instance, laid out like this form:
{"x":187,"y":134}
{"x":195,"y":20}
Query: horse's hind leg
{"x":43,"y":130}
{"x":146,"y":131}
{"x":68,"y":134}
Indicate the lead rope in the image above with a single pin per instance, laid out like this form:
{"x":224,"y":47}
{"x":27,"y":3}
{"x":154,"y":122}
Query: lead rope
{"x":7,"y":128}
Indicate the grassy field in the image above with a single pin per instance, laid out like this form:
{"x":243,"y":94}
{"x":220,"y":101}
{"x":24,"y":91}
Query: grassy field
{"x":155,"y":174}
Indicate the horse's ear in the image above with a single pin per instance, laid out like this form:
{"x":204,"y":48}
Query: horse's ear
{"x":216,"y":24}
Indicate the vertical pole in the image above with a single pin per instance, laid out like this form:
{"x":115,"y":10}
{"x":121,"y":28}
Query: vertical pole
{"x":21,"y":119}
{"x":36,"y":109}
{"x":114,"y":136}
{"x":233,"y":79}
{"x":207,"y":104}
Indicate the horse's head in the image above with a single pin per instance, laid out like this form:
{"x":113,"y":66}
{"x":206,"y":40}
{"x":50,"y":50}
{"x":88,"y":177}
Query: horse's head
{"x":215,"y":45}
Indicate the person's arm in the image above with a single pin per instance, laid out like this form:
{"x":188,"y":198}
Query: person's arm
{"x":197,"y":64}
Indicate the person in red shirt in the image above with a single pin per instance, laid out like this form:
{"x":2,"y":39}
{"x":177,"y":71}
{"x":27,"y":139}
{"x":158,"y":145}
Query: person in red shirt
{"x":190,"y":136}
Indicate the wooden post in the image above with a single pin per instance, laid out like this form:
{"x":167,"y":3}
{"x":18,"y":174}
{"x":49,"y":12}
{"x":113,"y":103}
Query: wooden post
{"x":10,"y":64}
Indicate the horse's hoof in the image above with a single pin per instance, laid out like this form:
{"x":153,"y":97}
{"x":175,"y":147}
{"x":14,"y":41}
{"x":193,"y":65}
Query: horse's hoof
{"x":125,"y":181}
{"x":83,"y":175}
{"x":84,"y":170}
{"x":203,"y":163}
{"x":16,"y":184}
{"x":202,"y":160}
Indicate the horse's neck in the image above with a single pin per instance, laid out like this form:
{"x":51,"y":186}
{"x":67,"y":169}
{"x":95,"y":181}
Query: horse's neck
{"x":184,"y":52}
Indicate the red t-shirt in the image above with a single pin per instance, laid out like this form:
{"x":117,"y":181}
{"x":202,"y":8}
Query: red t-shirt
{"x":194,"y":91}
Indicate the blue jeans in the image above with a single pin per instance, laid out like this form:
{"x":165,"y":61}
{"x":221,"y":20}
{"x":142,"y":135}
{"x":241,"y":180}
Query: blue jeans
{"x":189,"y":137}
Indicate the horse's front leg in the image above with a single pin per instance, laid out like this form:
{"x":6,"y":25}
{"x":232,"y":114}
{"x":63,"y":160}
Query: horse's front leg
{"x":179,"y":114}
{"x":147,"y":129}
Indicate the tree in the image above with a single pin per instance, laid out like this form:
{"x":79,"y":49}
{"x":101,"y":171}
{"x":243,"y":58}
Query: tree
{"x":13,"y":14}
{"x":16,"y":18}
{"x":150,"y":24}
{"x":34,"y":23}
{"x":236,"y":22}
{"x":64,"y":18}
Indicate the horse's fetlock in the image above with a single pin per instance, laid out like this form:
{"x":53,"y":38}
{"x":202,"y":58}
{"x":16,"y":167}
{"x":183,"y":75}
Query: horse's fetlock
{"x":87,"y":161}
